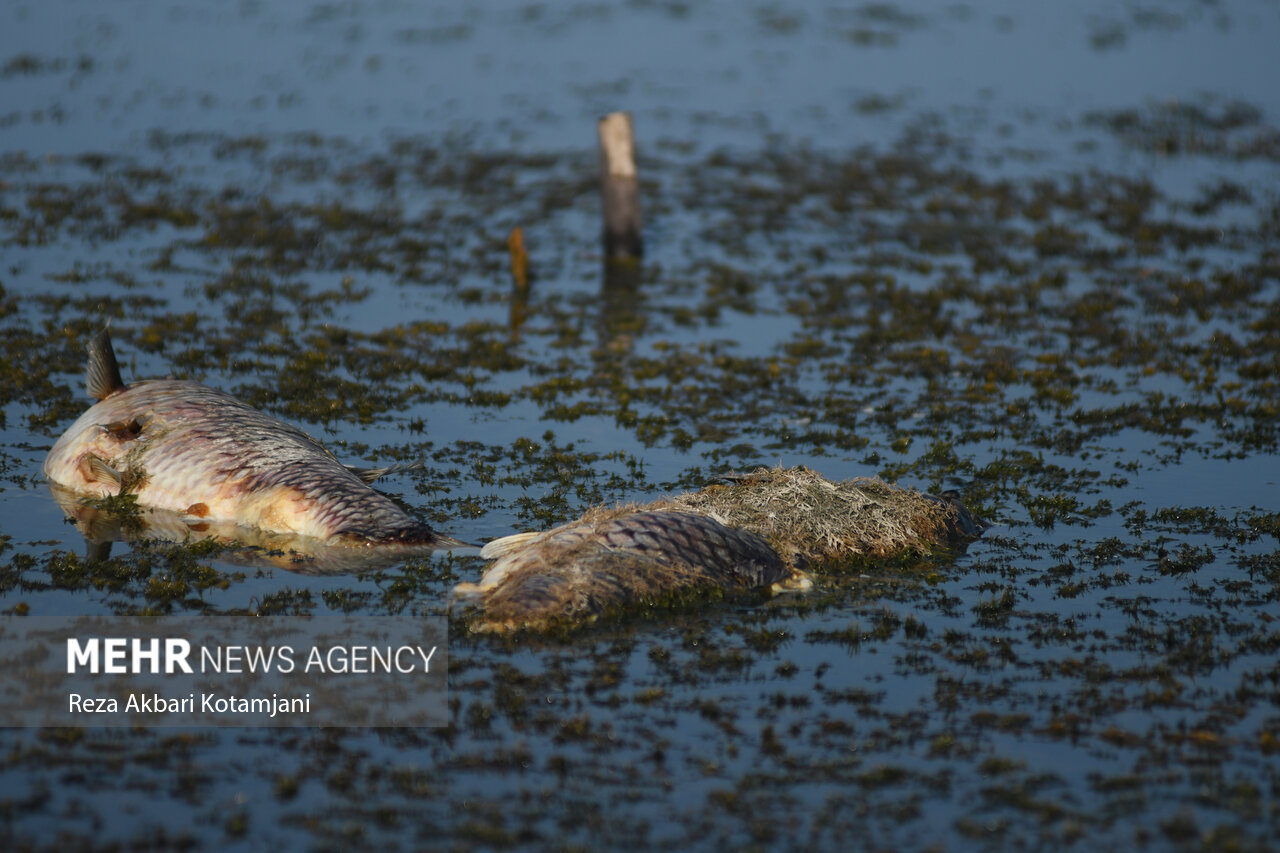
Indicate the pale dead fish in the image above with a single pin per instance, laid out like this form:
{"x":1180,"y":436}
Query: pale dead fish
{"x":613,"y":561}
{"x":760,"y":530}
{"x":199,"y":452}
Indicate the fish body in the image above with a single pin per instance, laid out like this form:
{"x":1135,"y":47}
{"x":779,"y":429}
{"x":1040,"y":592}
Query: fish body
{"x":761,"y":530}
{"x":612,"y":560}
{"x":185,"y":447}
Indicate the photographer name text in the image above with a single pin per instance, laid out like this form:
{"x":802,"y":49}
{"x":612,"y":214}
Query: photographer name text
{"x":206,"y":703}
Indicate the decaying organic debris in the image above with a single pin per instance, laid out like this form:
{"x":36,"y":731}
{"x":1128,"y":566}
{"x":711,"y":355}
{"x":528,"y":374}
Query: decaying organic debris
{"x":810,"y":519}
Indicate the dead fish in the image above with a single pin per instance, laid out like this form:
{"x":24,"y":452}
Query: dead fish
{"x":185,"y":447}
{"x":614,"y":560}
{"x":765,"y":529}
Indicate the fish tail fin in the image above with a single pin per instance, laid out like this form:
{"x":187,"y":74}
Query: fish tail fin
{"x":103,"y":374}
{"x":505,"y":545}
{"x":370,"y":475}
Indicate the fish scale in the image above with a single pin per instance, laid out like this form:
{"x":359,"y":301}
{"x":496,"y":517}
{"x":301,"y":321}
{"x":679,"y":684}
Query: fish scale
{"x":691,"y":538}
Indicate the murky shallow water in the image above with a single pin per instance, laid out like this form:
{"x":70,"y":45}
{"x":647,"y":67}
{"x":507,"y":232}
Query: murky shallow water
{"x":1028,"y":254}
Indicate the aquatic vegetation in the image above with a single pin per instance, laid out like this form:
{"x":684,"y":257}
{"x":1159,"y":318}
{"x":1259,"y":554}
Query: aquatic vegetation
{"x":152,"y":576}
{"x":1080,"y":335}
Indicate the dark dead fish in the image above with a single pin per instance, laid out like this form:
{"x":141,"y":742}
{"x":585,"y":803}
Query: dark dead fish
{"x":781,"y":522}
{"x":614,"y":560}
{"x":190,"y":449}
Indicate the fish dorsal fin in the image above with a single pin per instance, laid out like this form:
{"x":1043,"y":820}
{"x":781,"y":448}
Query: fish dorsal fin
{"x":103,"y":374}
{"x":101,"y":472}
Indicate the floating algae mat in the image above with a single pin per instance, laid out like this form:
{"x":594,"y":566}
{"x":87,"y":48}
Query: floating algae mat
{"x":760,"y":532}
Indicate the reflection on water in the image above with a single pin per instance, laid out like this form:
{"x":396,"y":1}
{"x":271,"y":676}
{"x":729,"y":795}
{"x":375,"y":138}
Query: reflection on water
{"x":244,"y":546}
{"x":621,"y":317}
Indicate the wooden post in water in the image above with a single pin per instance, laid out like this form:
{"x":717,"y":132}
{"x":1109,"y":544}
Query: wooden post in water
{"x":619,"y":188}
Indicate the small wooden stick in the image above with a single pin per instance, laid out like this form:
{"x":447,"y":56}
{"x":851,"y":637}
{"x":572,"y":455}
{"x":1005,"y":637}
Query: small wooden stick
{"x":519,"y":258}
{"x":519,"y":281}
{"x":619,"y":188}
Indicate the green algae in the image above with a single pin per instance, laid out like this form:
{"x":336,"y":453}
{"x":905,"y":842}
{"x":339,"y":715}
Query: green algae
{"x":156,"y":576}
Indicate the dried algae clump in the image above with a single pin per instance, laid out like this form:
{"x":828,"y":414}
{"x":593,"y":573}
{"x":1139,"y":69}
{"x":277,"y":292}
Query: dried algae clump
{"x":616,"y":560}
{"x":756,"y":532}
{"x":810,"y":519}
